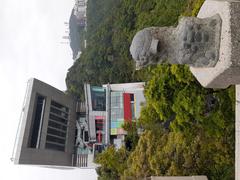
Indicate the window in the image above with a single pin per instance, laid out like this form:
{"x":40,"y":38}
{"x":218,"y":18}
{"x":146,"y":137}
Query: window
{"x":59,"y":112}
{"x":55,"y":139}
{"x":99,"y":124}
{"x":116,"y":106}
{"x":86,"y":139}
{"x":55,"y":147}
{"x":36,"y":128}
{"x":57,"y":127}
{"x":57,"y":118}
{"x":59,"y":106}
{"x":98,"y":95}
{"x":132,"y":105}
{"x":55,"y":132}
{"x":99,"y":129}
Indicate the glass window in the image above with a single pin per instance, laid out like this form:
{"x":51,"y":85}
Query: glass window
{"x":56,"y":132}
{"x":116,"y":105}
{"x":58,"y":112}
{"x":98,"y":95}
{"x":55,"y":139}
{"x":59,"y":106}
{"x":57,"y":118}
{"x":55,"y":147}
{"x":57,"y":125}
{"x":34,"y":138}
{"x":99,"y":124}
{"x":133,"y":110}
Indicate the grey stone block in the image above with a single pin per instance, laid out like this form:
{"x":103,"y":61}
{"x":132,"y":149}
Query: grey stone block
{"x":227,"y":70}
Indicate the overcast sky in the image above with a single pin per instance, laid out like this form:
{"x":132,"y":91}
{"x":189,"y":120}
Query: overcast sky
{"x":30,"y":36}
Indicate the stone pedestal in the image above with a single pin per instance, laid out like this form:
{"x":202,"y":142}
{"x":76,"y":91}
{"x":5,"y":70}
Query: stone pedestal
{"x":227,"y":70}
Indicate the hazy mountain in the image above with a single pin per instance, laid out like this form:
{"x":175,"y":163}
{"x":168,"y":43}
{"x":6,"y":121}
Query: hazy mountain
{"x":74,"y":34}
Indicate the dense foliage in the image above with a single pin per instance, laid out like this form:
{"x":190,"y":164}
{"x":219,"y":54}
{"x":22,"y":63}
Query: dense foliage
{"x":111,"y":26}
{"x":189,"y":130}
{"x":112,"y":162}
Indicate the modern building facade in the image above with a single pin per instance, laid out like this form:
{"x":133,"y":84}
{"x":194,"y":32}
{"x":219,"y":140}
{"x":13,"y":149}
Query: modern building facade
{"x":109,"y":107}
{"x":46,"y":135}
{"x":57,"y":130}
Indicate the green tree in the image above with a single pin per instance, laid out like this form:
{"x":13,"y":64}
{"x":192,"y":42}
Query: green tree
{"x":131,"y":139}
{"x":189,"y":130}
{"x":113,"y":163}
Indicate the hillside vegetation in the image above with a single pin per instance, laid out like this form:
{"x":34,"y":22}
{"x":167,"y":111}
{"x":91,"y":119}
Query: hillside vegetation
{"x":188,"y":130}
{"x":111,"y":27}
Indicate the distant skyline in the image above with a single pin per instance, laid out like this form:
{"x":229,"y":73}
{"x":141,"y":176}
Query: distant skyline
{"x":31,"y":34}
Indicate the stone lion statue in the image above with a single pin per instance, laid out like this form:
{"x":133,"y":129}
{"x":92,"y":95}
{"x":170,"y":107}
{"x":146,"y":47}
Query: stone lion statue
{"x":194,"y":42}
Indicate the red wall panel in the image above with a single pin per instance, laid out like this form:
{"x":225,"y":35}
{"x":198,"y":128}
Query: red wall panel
{"x":127,"y":107}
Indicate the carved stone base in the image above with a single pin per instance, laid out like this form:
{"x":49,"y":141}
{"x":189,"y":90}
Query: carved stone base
{"x":227,"y":70}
